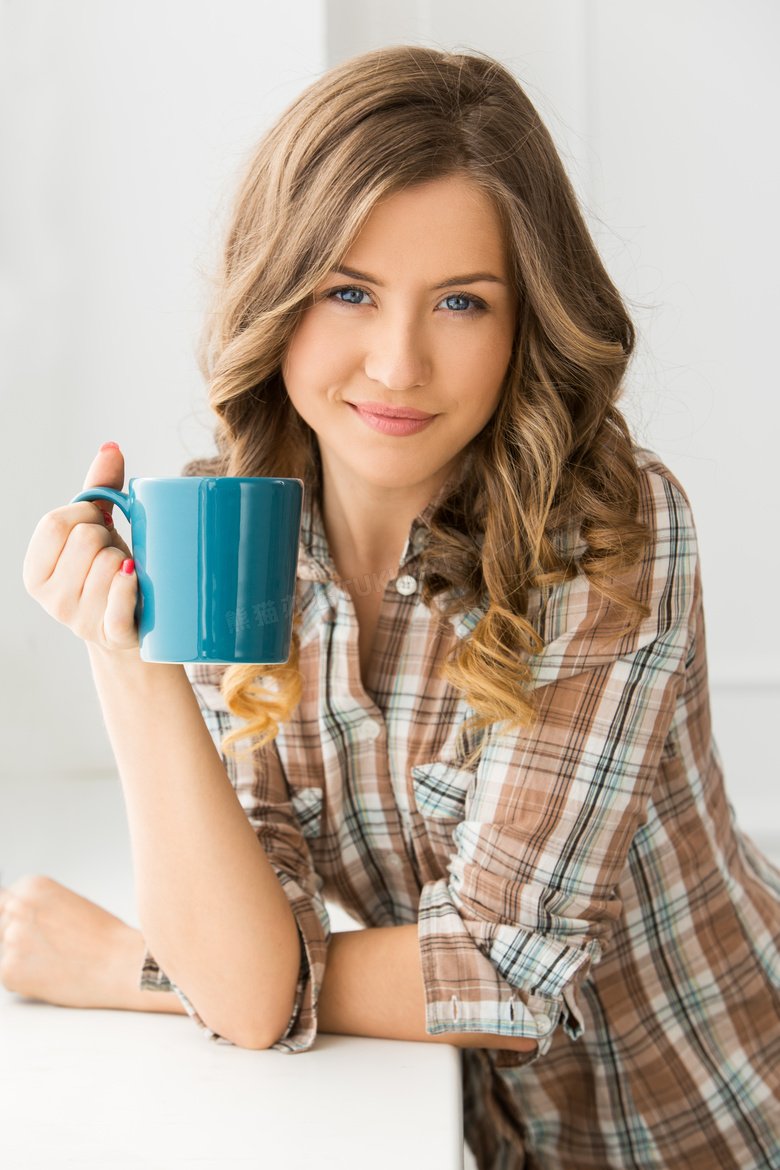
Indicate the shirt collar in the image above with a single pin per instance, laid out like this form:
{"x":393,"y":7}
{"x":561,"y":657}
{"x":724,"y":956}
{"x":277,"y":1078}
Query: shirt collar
{"x":314,"y":561}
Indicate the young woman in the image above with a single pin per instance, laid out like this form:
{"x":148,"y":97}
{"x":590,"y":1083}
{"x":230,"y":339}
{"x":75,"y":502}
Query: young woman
{"x":492,"y":741}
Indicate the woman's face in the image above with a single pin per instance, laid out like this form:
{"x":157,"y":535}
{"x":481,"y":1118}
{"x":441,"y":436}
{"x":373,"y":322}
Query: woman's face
{"x":400,"y":360}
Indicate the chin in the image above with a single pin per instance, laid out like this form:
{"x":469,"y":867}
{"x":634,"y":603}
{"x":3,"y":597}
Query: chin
{"x":394,"y":477}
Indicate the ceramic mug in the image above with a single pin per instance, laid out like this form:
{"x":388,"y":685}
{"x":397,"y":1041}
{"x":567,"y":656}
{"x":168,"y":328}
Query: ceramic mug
{"x":216,"y":560}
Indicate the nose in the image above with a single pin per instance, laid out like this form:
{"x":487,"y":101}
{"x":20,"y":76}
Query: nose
{"x":398,"y":356}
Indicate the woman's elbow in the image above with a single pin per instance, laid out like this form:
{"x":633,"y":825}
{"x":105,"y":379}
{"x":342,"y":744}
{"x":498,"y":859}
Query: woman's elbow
{"x":246,"y":1027}
{"x":253,"y":1039}
{"x":247,"y":1033}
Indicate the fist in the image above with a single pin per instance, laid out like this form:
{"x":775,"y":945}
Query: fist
{"x":60,"y":947}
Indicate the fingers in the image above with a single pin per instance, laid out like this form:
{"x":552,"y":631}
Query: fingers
{"x":9,"y":912}
{"x":73,"y":569}
{"x":13,"y":907}
{"x":73,"y":563}
{"x":119,"y":627}
{"x":116,"y":539}
{"x":53,"y":531}
{"x":107,"y":470}
{"x":50,"y":540}
{"x":103,"y":610}
{"x":16,"y":912}
{"x":20,"y":900}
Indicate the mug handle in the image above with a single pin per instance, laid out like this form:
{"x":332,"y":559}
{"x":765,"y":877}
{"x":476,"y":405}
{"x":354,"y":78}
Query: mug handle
{"x":121,"y":499}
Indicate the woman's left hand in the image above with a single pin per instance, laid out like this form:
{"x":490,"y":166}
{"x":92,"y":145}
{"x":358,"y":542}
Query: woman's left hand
{"x":62,"y":948}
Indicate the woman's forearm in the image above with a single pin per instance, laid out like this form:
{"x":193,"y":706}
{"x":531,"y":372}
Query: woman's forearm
{"x":212,"y":910}
{"x":373,"y":986}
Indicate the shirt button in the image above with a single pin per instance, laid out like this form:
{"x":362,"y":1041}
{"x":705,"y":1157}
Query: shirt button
{"x":406,"y":585}
{"x":370,"y":729}
{"x":544,"y":1025}
{"x":394,"y":861}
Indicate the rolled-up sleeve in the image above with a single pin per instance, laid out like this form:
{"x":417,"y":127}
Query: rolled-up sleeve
{"x":278,"y":819}
{"x":549,"y":815}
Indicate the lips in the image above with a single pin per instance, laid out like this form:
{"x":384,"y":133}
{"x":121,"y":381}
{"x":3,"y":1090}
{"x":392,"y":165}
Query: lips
{"x":383,"y":411}
{"x":392,"y":420}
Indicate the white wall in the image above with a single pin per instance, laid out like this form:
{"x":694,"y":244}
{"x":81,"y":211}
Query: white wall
{"x":122,"y":123}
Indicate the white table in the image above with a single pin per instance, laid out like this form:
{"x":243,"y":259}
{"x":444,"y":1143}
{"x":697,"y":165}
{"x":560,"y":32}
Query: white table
{"x":101,"y":1090}
{"x":124,"y":1090}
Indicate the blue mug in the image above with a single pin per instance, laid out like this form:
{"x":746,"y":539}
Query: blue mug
{"x":216,"y":560}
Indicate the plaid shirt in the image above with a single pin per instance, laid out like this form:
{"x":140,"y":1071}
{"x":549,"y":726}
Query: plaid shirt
{"x":581,"y":883}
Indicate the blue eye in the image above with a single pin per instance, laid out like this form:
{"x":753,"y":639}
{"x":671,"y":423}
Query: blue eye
{"x":459,"y":303}
{"x":350,"y":296}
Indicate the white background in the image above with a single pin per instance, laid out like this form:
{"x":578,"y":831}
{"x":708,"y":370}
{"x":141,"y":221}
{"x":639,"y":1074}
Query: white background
{"x":123,"y":123}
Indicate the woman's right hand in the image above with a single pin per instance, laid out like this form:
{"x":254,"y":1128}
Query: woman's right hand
{"x":64,"y":949}
{"x":74,"y":564}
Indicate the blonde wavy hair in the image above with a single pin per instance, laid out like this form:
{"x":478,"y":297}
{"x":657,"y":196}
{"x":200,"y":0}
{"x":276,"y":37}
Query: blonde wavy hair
{"x":556,"y":453}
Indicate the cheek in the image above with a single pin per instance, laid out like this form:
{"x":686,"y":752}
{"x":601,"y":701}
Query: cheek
{"x":483,"y":367}
{"x":316,"y":358}
{"x":297,"y":361}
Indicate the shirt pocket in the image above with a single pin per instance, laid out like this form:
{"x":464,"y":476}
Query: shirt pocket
{"x":307,"y":805}
{"x":440,"y":793}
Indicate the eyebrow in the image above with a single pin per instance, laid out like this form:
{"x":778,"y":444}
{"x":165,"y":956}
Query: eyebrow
{"x":468,"y":278}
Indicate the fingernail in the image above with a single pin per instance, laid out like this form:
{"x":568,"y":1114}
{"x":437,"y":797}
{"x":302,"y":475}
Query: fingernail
{"x":108,"y":519}
{"x":128,"y":567}
{"x":108,"y":446}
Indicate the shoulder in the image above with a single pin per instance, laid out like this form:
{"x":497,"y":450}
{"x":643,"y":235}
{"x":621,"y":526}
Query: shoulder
{"x":663,"y":507}
{"x":663,"y":503}
{"x":581,"y":627}
{"x":672,"y":551}
{"x":664,"y":580}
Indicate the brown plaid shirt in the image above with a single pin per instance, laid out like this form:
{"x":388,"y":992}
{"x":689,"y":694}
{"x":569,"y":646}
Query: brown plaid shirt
{"x":582,"y":883}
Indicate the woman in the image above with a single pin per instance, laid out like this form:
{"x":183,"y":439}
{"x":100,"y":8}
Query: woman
{"x":491,"y":743}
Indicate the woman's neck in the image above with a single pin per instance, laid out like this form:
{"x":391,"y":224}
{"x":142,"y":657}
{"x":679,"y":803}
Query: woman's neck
{"x":367,"y":524}
{"x":366,"y":532}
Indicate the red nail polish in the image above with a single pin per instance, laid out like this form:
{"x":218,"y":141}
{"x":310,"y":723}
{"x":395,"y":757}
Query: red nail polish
{"x":107,"y":446}
{"x":128,"y":567}
{"x":108,"y":519}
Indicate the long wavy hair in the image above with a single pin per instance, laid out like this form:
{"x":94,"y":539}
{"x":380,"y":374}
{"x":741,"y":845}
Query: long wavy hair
{"x":557,"y":452}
